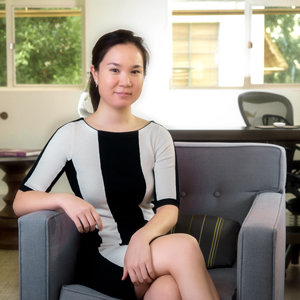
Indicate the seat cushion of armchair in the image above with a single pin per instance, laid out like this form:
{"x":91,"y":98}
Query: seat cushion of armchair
{"x":80,"y":292}
{"x":224,"y":279}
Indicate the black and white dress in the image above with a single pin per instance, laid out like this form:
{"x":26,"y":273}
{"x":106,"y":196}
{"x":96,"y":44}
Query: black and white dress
{"x":124,"y":175}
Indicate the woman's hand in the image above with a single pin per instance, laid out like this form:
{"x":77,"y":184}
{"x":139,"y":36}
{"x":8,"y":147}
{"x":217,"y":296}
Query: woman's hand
{"x":82,"y":213}
{"x":138,"y":260}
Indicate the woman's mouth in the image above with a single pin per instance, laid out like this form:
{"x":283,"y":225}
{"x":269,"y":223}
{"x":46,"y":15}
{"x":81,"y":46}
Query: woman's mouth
{"x":123,"y":94}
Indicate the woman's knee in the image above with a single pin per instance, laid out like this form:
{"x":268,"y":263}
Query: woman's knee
{"x":189,"y":246}
{"x":176,"y":251}
{"x":188,"y":253}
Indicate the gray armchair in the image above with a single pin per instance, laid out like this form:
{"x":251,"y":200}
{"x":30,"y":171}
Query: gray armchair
{"x":242,"y":182}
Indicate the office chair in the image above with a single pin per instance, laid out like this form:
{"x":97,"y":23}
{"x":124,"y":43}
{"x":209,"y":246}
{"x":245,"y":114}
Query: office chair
{"x":264,"y":108}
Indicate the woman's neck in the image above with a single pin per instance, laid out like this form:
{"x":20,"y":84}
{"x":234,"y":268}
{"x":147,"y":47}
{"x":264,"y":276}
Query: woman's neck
{"x":114,"y":120}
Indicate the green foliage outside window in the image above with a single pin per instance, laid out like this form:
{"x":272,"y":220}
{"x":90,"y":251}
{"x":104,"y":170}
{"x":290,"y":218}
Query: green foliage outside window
{"x":285,"y":33}
{"x":48,"y":50}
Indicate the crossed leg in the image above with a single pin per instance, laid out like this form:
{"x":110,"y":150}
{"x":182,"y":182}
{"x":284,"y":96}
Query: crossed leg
{"x":164,"y":287}
{"x":180,"y":269}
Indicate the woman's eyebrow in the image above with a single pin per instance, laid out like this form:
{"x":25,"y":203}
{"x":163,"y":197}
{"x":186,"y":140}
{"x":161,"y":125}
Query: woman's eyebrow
{"x":118,"y":65}
{"x":114,"y":64}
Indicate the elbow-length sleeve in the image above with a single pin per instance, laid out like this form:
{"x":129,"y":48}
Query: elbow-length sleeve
{"x":165,"y":171}
{"x":51,"y":163}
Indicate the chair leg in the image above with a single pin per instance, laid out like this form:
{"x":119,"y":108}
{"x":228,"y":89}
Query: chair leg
{"x":288,"y":255}
{"x":292,"y":254}
{"x":295,"y":255}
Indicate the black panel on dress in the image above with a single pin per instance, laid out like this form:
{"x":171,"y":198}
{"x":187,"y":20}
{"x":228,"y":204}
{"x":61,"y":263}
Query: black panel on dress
{"x":123,"y":178}
{"x":72,"y":177}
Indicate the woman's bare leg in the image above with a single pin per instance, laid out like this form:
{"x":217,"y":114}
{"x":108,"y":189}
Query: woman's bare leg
{"x":179,"y":256}
{"x":164,"y":287}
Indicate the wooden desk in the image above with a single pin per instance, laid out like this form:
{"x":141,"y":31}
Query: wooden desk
{"x":243,"y":134}
{"x":15,"y":170}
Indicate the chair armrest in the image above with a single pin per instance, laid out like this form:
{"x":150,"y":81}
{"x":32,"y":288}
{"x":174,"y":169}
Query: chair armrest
{"x":48,"y":245}
{"x":261,"y":249}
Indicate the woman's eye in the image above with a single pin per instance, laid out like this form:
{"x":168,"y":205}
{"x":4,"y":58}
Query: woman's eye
{"x":136,"y":72}
{"x":115,"y":70}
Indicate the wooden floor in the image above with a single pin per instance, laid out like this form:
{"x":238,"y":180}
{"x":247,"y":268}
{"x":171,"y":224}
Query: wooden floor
{"x":292,"y":283}
{"x":9,"y":275}
{"x":9,"y":278}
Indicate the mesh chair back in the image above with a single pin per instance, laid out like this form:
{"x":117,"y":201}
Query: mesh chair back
{"x":262,"y":108}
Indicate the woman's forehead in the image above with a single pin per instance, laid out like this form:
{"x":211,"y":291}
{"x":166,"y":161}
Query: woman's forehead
{"x":124,"y":54}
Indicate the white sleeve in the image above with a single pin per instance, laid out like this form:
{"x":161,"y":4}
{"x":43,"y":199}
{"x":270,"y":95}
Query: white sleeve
{"x":51,"y":162}
{"x":165,"y":170}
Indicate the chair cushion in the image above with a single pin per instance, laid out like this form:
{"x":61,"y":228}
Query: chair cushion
{"x":225,"y":281}
{"x":80,"y":292}
{"x":217,"y":237}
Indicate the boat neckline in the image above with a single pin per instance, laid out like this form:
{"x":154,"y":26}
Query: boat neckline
{"x":116,"y":132}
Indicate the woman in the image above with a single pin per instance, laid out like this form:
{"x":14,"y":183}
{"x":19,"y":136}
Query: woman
{"x":121,"y":169}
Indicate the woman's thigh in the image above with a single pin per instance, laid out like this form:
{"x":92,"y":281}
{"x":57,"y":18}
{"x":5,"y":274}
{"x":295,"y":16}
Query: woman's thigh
{"x":174,"y":250}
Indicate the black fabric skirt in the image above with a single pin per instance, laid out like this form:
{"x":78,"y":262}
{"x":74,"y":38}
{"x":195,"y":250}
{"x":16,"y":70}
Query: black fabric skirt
{"x":98,"y":273}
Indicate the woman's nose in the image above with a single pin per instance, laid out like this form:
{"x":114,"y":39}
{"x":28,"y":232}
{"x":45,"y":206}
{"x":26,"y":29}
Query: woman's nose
{"x":125,"y":80}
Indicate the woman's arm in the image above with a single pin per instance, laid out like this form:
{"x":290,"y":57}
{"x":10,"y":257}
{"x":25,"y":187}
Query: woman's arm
{"x":34,"y":193}
{"x":81,"y":212}
{"x":138,"y":261}
{"x":161,"y":223}
{"x":27,"y":202}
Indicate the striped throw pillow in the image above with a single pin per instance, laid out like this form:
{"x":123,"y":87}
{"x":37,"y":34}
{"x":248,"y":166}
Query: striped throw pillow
{"x":217,"y":237}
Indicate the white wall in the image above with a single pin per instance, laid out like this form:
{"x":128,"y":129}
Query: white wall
{"x":32,"y":118}
{"x":34,"y":115}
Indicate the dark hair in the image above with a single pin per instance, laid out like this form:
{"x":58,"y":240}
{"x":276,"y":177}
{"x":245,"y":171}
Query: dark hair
{"x":103,"y":45}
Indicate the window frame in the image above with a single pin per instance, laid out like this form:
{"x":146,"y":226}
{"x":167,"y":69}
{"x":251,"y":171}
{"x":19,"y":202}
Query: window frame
{"x":3,"y":2}
{"x":181,"y":8}
{"x":10,"y":6}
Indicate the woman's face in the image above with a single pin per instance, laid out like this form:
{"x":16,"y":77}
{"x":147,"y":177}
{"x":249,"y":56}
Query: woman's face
{"x":120,"y":76}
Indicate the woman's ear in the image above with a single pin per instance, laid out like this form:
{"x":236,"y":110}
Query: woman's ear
{"x":95,"y":74}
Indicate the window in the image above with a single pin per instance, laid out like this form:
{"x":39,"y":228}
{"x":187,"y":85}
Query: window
{"x":195,"y":48}
{"x":45,"y":43}
{"x":208,"y":43}
{"x":275,"y":50}
{"x":235,"y":43}
{"x":3,"y":73}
